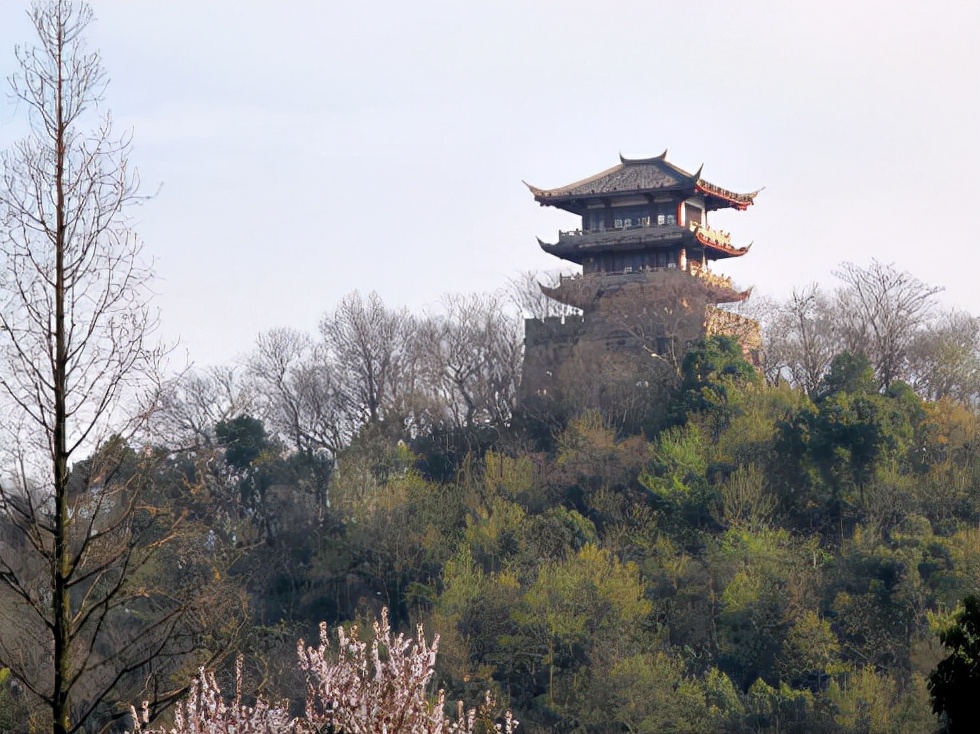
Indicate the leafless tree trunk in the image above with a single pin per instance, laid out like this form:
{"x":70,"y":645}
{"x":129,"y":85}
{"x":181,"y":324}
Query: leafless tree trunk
{"x":944,"y":358}
{"x":74,"y":324}
{"x":372,"y":345}
{"x":879,"y":310}
{"x":525,"y":292}
{"x":303,"y":401}
{"x":800,"y":339}
{"x":473,"y":355}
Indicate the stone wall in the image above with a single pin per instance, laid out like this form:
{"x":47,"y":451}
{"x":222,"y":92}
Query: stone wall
{"x":626,"y":331}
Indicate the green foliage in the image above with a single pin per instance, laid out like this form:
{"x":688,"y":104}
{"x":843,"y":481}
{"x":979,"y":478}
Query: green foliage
{"x":243,"y":439}
{"x":851,"y":452}
{"x":749,"y":436}
{"x":711,"y":370}
{"x":811,"y":653}
{"x":956,"y":680}
{"x":713,"y":374}
{"x":745,"y":498}
{"x":651,"y":693}
{"x":591,"y":457}
{"x":768,"y":563}
{"x":779,"y":708}
{"x":851,"y":374}
{"x":472,"y":613}
{"x":880,"y":596}
{"x":767,"y":578}
{"x":495,"y":533}
{"x":868,"y":701}
{"x":677,"y":477}
{"x":556,"y":533}
{"x":566,"y":597}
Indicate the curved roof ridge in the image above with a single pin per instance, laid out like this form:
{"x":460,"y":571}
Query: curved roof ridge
{"x":568,"y":187}
{"x":719,"y":245}
{"x":627,"y":161}
{"x":639,"y":176}
{"x":741,"y":201}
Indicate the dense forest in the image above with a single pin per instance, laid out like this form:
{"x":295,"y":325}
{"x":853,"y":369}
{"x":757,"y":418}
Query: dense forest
{"x":745,"y":548}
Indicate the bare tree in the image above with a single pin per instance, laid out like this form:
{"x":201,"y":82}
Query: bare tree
{"x":81,"y":614}
{"x":525,"y":293}
{"x":764,"y":311}
{"x":474,"y":357}
{"x":944,"y":358}
{"x":878,"y":311}
{"x":304,"y":403}
{"x":193,"y":403}
{"x":661,"y":317}
{"x":371,"y":345}
{"x":800,"y":341}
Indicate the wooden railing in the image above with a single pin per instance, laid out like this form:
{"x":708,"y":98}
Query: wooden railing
{"x":714,"y":235}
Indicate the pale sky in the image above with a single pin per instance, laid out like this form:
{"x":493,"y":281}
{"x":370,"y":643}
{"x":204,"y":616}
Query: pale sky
{"x":306,"y":149}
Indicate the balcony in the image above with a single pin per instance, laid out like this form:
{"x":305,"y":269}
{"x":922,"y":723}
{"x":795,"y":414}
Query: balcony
{"x":714,"y":236}
{"x":633,"y":235}
{"x":694,"y":268}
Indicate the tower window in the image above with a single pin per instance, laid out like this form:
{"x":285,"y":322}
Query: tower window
{"x":693,"y":213}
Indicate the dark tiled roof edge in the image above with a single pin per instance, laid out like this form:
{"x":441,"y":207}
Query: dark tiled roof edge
{"x":647,"y":175}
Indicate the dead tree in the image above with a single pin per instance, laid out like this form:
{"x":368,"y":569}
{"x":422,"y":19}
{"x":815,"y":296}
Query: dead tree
{"x":80,"y":611}
{"x":532,"y":303}
{"x":944,"y":358}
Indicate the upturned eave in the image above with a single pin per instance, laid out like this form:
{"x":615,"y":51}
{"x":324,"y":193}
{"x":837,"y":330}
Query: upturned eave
{"x":638,"y":177}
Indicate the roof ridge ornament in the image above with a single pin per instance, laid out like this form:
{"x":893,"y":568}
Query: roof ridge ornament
{"x":628,"y":161}
{"x":534,"y":189}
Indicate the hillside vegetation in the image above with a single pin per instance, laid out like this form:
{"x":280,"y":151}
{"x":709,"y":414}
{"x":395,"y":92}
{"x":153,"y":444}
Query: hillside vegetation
{"x":768,"y":550}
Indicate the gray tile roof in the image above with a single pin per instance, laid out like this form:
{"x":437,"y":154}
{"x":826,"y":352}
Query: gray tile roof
{"x":639,"y":176}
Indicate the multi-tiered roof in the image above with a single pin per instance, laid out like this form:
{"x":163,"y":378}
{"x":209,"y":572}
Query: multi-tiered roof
{"x":641,"y":215}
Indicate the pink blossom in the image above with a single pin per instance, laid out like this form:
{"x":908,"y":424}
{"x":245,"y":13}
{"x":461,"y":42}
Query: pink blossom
{"x":371,"y":688}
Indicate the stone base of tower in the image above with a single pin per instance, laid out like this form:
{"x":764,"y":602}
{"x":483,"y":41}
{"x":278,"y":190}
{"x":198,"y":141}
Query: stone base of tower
{"x":633,"y":334}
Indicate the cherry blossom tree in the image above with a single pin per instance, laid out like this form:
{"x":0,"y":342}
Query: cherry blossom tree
{"x":379,"y":686}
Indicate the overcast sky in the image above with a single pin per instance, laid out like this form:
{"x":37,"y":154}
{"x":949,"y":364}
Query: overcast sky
{"x":306,"y":149}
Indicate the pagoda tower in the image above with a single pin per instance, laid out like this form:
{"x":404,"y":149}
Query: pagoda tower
{"x":646,"y":287}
